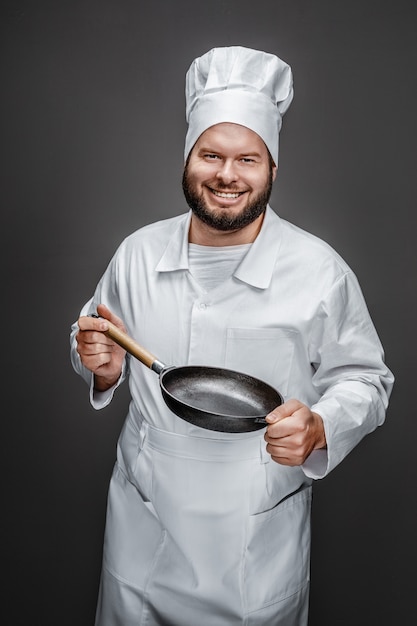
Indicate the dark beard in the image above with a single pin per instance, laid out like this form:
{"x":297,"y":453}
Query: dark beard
{"x":226,"y":222}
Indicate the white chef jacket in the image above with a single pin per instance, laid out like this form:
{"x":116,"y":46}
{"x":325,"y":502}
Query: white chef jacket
{"x":293,"y":315}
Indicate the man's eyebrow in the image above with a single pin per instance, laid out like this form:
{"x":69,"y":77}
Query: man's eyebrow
{"x":207,"y":149}
{"x":252,"y":153}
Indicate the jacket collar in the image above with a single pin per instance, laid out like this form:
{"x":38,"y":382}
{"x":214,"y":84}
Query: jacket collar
{"x":257,"y":266}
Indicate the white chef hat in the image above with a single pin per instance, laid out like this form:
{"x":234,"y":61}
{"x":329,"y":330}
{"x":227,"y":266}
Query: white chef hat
{"x":238,"y":85}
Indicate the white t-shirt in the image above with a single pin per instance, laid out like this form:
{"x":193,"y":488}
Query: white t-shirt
{"x":211,"y":265}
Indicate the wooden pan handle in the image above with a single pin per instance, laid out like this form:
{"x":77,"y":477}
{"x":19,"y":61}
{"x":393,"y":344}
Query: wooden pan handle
{"x":130,"y":345}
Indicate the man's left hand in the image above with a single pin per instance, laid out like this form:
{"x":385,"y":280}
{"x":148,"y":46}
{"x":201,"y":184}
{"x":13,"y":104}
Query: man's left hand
{"x":293,"y":432}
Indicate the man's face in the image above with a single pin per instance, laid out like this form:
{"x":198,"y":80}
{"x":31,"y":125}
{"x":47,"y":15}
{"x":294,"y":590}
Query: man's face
{"x":228,"y":178}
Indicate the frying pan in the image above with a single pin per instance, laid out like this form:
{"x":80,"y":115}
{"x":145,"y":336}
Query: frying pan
{"x":210,"y":397}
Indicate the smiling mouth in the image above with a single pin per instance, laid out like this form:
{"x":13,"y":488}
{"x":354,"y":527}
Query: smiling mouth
{"x":226,"y":194}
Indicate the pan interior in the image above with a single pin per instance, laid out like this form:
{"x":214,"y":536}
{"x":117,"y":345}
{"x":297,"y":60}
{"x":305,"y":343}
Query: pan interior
{"x":220,"y":392}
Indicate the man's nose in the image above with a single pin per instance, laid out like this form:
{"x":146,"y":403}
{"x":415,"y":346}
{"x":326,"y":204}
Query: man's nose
{"x":227,"y":173}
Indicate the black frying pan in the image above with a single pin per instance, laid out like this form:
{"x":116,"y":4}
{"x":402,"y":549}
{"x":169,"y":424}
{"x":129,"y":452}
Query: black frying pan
{"x":210,"y":397}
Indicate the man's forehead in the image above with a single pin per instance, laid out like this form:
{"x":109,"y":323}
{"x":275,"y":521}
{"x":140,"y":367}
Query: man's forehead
{"x":232,"y":135}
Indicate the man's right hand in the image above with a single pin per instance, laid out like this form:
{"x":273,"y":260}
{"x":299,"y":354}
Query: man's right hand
{"x":98,"y":353}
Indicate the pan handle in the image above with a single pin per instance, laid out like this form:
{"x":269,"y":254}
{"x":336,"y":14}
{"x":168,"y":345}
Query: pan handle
{"x":132,"y":347}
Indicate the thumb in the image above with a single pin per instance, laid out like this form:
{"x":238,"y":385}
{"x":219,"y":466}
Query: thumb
{"x":104,"y":312}
{"x":276,"y":415}
{"x":283,"y":410}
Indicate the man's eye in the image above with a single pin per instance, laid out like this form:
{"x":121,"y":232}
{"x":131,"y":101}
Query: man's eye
{"x":247,"y":160}
{"x":212,"y":156}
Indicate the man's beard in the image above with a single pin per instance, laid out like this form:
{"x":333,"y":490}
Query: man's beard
{"x":224,"y":220}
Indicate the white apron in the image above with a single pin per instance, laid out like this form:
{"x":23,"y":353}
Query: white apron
{"x":194,"y":535}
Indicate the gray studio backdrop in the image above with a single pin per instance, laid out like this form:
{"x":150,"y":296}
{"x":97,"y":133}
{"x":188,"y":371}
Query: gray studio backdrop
{"x":92,"y":139}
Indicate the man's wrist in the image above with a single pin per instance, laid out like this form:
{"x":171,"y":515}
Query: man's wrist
{"x":103,"y":383}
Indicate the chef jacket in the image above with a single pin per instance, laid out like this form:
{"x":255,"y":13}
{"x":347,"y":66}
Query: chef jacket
{"x":292,"y":314}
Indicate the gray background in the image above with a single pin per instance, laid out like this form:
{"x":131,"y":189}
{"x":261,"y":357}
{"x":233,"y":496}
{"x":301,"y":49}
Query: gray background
{"x":92,"y":115}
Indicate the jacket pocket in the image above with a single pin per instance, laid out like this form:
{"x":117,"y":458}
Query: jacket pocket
{"x":277,"y":562}
{"x":132,"y":541}
{"x":134,"y":457}
{"x":266,"y":353}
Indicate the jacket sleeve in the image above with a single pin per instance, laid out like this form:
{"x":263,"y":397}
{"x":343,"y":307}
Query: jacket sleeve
{"x":350,"y":374}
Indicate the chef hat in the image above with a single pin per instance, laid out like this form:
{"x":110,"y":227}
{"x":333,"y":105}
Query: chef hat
{"x":238,"y":85}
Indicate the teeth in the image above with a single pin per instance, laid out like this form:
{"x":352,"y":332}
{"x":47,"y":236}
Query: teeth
{"x":222,"y":194}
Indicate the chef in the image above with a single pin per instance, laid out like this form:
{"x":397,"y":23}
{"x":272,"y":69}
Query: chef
{"x":205,"y":527}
